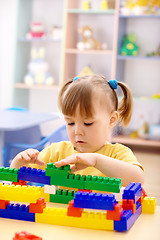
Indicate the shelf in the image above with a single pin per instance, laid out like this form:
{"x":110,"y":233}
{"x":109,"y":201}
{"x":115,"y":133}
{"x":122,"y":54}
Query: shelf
{"x":121,"y":57}
{"x":137,"y":142}
{"x":38,"y":40}
{"x":77,"y":51}
{"x":140,"y":16}
{"x":92,"y":11}
{"x":143,"y":99}
{"x":146,"y":99}
{"x":44,"y":87}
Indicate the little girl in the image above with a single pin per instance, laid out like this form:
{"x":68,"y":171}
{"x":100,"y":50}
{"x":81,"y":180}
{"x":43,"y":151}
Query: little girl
{"x":90,"y":108}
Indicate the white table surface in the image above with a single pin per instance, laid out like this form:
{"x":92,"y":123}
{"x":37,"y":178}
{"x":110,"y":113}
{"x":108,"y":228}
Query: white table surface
{"x":15,"y":120}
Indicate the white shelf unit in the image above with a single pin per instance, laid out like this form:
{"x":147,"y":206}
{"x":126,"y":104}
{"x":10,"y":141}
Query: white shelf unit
{"x":141,"y":73}
{"x":100,"y":61}
{"x":49,"y":13}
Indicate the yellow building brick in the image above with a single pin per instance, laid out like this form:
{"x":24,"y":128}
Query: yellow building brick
{"x":148,"y":205}
{"x":88,"y":220}
{"x":19,"y":193}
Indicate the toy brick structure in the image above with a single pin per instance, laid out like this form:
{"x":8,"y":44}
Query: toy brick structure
{"x":117,"y":212}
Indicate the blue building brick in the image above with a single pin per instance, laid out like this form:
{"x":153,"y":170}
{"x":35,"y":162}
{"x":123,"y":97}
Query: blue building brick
{"x":94,"y":200}
{"x":127,"y":219}
{"x":132,"y":191}
{"x":17,"y":211}
{"x":33,"y":175}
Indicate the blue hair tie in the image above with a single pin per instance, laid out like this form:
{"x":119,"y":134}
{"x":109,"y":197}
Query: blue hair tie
{"x":113,"y":83}
{"x":74,"y":79}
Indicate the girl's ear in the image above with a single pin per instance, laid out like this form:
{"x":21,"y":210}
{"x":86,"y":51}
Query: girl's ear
{"x":114,"y":119}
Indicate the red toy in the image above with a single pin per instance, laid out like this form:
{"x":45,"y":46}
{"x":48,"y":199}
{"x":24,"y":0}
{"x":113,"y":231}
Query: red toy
{"x":25,"y":236}
{"x":37,"y":31}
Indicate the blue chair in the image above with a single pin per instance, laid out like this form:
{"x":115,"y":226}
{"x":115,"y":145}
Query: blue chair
{"x":60,"y":134}
{"x":22,"y":136}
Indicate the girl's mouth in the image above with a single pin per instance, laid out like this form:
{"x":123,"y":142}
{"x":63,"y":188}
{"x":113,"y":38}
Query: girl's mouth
{"x":80,"y":142}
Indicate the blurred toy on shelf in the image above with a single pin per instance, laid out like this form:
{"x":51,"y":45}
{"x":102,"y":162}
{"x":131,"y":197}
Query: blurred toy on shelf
{"x":156,"y":96}
{"x":86,"y":5}
{"x":129,"y":46}
{"x":85,"y":71}
{"x":56,"y":33}
{"x":37,"y":31}
{"x":156,"y":53}
{"x":104,"y":5}
{"x":88,"y":41}
{"x":140,"y":7}
{"x":38,"y":69}
{"x":143,"y":128}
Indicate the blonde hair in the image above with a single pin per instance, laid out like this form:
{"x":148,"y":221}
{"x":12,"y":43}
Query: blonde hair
{"x":80,"y":92}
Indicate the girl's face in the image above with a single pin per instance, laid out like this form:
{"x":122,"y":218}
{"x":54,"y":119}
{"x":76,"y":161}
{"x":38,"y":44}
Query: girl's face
{"x":89,"y":134}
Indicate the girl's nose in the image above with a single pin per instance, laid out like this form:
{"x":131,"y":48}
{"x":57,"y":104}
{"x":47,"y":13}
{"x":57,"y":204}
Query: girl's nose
{"x":78,"y":130}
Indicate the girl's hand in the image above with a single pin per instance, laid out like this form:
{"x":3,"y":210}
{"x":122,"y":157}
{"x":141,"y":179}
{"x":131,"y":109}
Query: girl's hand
{"x":79,"y":161}
{"x":26,"y":157}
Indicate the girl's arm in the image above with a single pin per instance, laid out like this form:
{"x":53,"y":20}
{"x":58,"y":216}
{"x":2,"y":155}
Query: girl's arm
{"x":108,"y":166}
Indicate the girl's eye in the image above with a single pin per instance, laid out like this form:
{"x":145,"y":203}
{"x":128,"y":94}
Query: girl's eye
{"x":88,"y":124}
{"x":70,"y":124}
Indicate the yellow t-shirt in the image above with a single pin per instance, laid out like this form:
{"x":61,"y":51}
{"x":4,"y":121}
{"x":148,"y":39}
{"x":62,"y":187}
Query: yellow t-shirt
{"x":58,"y":151}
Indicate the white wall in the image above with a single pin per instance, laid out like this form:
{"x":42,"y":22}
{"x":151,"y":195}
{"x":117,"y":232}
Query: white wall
{"x":8,"y":16}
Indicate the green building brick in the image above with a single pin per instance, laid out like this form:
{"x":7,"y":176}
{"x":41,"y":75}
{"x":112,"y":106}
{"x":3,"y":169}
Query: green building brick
{"x":62,"y":196}
{"x":58,"y":176}
{"x":103,"y":184}
{"x":9,"y":174}
{"x":76,"y":181}
{"x":62,"y":177}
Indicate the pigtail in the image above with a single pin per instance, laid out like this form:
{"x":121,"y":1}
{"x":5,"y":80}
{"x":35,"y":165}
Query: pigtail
{"x":125,"y":106}
{"x":61,"y":93}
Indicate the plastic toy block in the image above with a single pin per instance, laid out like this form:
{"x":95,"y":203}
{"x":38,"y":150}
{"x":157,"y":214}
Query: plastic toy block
{"x":71,"y":180}
{"x":51,"y":189}
{"x":94,"y":200}
{"x":58,"y":176}
{"x":38,"y":206}
{"x":87,"y":220}
{"x":129,"y":205}
{"x":62,"y":177}
{"x":45,"y":195}
{"x":17,"y":211}
{"x":51,"y":169}
{"x":19,"y":193}
{"x":25,"y":236}
{"x":118,"y":196}
{"x":33,"y":175}
{"x":148,"y":205}
{"x":127,"y":219}
{"x":144,"y":194}
{"x":20,"y":182}
{"x":103,"y":184}
{"x":74,"y":212}
{"x":3,"y":204}
{"x":133,"y":191}
{"x":116,"y":213}
{"x":9,"y":174}
{"x":76,"y":181}
{"x":62,"y":196}
{"x":84,"y":190}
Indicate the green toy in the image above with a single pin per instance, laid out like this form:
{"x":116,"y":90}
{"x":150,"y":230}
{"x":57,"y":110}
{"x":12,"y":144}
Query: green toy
{"x":129,"y":46}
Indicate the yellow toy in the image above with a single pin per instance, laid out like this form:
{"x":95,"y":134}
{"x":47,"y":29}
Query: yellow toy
{"x":104,"y":5}
{"x":139,"y":7}
{"x":86,"y":5}
{"x":88,"y":41}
